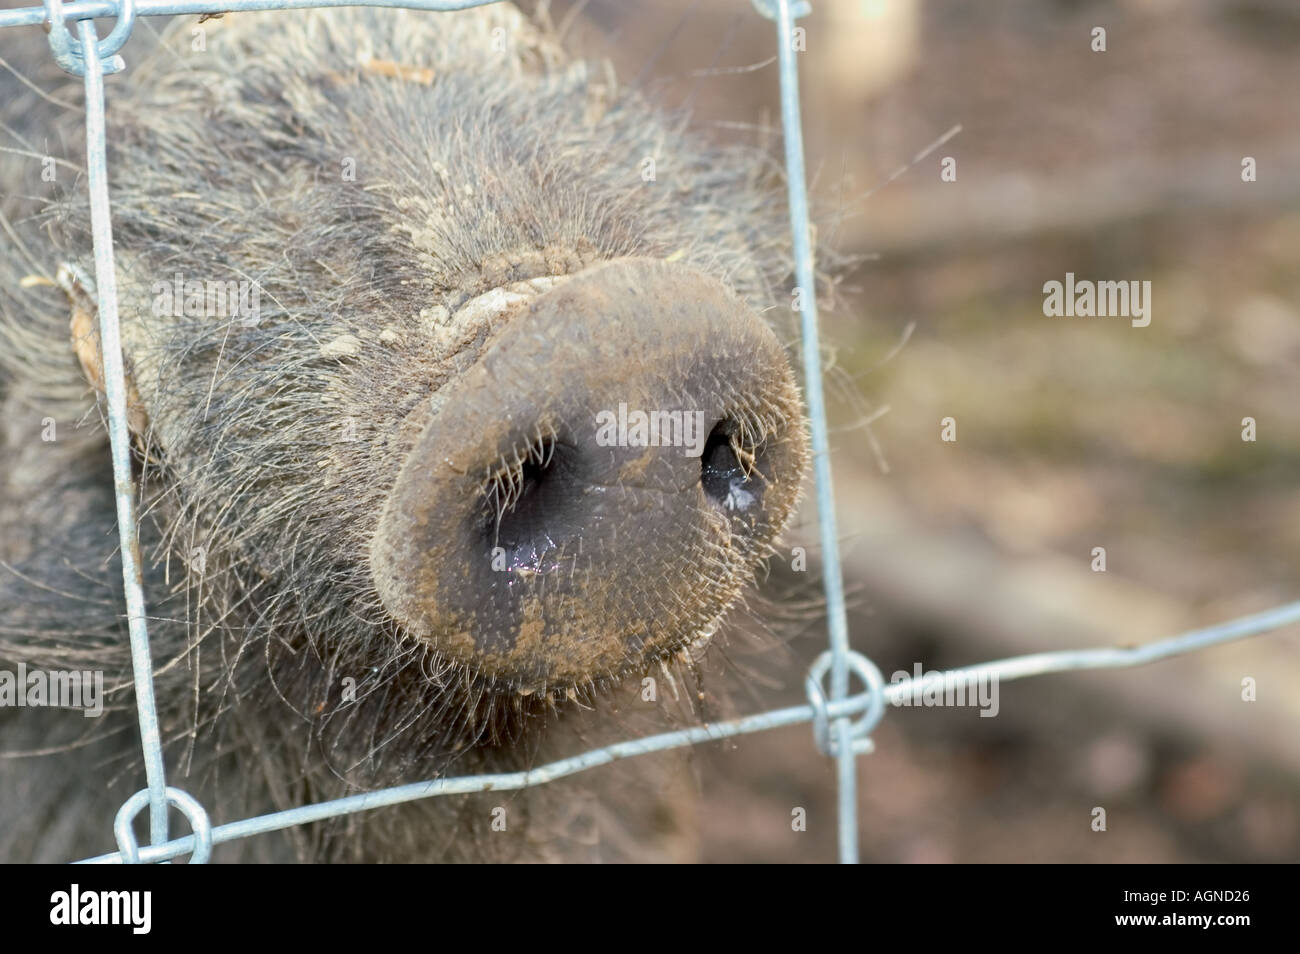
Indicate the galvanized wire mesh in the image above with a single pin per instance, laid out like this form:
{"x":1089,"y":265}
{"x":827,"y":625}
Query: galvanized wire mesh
{"x":842,"y":721}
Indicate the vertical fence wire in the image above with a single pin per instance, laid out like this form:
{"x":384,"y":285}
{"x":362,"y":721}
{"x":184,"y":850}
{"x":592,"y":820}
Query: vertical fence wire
{"x":783,"y":11}
{"x":86,"y":57}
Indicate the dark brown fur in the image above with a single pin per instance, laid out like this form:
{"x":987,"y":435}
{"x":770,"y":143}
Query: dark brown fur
{"x":510,"y":164}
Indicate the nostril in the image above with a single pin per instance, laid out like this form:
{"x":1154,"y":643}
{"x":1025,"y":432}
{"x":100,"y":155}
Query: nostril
{"x":515,"y":491}
{"x":728,"y":468}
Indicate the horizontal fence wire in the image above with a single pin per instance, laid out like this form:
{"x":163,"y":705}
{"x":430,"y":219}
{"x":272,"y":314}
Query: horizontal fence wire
{"x":895,"y":693}
{"x":832,"y":715}
{"x":83,"y":9}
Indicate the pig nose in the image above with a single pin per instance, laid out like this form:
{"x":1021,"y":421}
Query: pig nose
{"x":597,"y":489}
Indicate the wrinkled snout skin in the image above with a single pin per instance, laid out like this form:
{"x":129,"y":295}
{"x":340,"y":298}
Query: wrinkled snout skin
{"x":605,"y":550}
{"x":503,"y":430}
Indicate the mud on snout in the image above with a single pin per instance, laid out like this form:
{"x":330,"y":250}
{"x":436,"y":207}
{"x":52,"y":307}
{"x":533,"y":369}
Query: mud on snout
{"x":600,"y":486}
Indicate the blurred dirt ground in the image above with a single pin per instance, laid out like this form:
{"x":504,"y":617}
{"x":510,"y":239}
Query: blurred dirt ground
{"x":1073,"y":433}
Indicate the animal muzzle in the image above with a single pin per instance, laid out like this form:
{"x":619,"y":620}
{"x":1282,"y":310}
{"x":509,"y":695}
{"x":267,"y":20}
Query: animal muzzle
{"x":600,"y":486}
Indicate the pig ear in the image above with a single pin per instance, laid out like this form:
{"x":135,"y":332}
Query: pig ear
{"x":85,"y":343}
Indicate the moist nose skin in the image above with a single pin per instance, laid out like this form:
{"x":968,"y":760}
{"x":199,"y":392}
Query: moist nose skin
{"x":600,"y":486}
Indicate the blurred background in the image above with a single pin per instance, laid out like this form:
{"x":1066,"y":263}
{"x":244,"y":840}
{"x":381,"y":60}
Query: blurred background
{"x":1073,"y":433}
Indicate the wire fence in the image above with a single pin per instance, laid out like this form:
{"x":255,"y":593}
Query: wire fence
{"x":842,"y":721}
